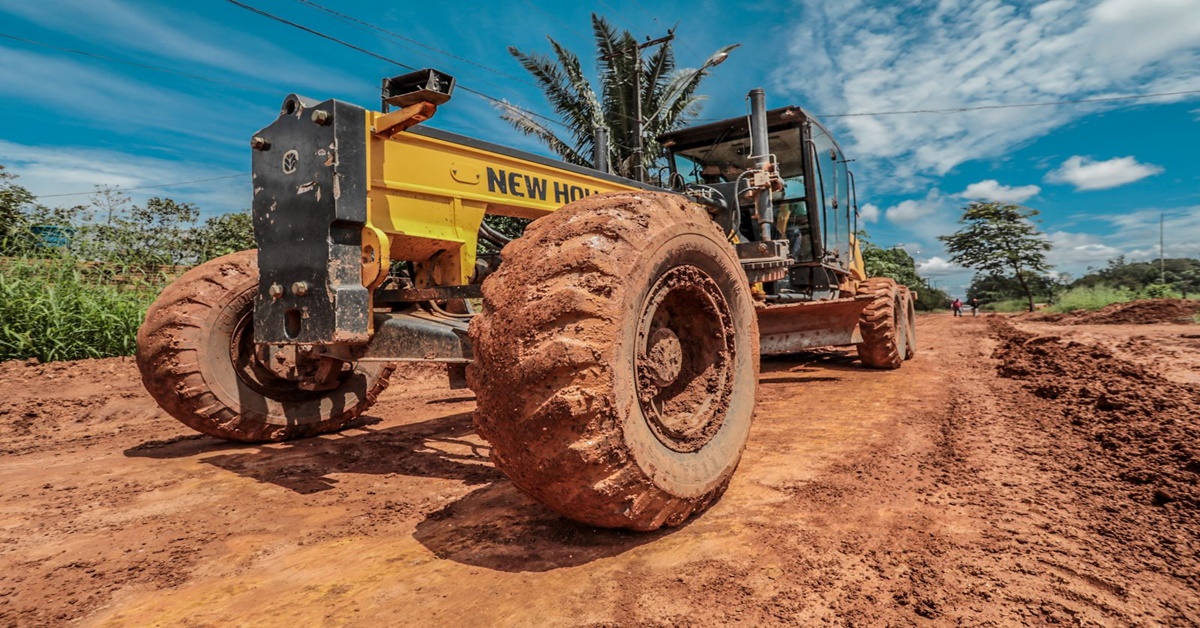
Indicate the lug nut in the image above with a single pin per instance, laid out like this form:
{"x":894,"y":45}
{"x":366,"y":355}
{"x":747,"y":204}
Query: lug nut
{"x":275,"y":291}
{"x":259,"y":143}
{"x":320,"y":117}
{"x":300,"y":288}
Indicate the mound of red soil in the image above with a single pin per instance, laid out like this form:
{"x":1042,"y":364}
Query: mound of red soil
{"x":1144,"y":426}
{"x":1144,"y":312}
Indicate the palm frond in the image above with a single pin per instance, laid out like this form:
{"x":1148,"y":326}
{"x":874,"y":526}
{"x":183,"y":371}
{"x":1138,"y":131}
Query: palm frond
{"x":527,"y":125}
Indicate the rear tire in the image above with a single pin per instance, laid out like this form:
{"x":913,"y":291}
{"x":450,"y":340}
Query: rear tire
{"x":616,"y":361}
{"x":195,"y":353}
{"x":883,"y":325}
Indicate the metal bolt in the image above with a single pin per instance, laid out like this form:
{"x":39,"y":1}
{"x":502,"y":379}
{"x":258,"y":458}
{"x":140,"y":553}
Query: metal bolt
{"x":259,"y":143}
{"x":320,"y":117}
{"x":275,"y":291}
{"x":300,"y":288}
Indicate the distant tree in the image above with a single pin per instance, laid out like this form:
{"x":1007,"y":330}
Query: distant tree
{"x":669,"y":97}
{"x":1000,"y":239}
{"x":994,"y":288}
{"x":14,"y":203}
{"x":1186,"y":280}
{"x":138,"y":236}
{"x":896,"y":263}
{"x":221,"y":235}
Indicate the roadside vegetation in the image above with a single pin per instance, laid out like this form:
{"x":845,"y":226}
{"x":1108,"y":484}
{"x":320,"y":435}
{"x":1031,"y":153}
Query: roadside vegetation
{"x":896,"y":263}
{"x":75,"y":282}
{"x":1119,"y":282}
{"x":1003,"y":244}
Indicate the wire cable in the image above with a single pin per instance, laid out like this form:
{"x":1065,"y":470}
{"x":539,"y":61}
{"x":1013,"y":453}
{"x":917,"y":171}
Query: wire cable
{"x":376,"y":55}
{"x":410,"y":40}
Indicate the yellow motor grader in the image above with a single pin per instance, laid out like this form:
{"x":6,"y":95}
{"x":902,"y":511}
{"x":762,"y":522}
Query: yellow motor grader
{"x":613,"y":348}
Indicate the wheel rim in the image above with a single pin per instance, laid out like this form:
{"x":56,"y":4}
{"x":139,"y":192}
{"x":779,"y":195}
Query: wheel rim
{"x":253,"y":374}
{"x":684,"y":359}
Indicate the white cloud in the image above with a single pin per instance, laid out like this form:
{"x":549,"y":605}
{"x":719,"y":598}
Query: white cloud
{"x":910,"y":210}
{"x":1137,"y":232}
{"x":938,"y":267}
{"x":45,"y":170}
{"x":1087,"y":174}
{"x":928,"y":54}
{"x":869,"y":212}
{"x":1070,"y":251}
{"x":991,"y":191}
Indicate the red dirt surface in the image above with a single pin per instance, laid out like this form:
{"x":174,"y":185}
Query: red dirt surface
{"x":1014,"y":472}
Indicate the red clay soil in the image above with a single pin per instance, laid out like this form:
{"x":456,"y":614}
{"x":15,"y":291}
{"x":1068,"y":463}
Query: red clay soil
{"x":1001,"y":477}
{"x":1143,"y":312}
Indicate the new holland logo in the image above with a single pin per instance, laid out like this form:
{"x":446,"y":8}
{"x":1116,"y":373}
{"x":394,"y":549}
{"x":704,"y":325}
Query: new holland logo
{"x":534,"y":187}
{"x":290,"y":160}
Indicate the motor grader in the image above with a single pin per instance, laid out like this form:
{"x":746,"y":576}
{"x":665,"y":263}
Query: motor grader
{"x":613,"y":348}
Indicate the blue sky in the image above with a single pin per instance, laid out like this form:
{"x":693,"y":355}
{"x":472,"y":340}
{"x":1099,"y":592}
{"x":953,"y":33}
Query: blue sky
{"x":1100,"y":173}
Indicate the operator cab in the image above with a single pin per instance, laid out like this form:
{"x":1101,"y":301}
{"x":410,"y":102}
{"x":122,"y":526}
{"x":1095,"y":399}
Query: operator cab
{"x":815,"y":211}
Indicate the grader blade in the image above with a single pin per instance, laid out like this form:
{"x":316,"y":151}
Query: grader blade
{"x":792,"y":327}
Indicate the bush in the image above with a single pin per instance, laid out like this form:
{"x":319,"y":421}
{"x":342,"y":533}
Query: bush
{"x":1009,"y":305}
{"x":50,"y":311}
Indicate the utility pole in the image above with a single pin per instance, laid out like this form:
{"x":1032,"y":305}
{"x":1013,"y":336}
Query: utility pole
{"x":1162,"y":258}
{"x":639,"y":167}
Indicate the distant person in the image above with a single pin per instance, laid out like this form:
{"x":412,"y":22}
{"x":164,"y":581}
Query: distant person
{"x":974,"y":306}
{"x":957,"y":307}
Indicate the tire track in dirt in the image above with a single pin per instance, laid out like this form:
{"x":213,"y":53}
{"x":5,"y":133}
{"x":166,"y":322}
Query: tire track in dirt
{"x":935,"y":494}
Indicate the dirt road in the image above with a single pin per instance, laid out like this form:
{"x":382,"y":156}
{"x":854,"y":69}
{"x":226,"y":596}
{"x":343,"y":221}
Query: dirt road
{"x":1022,"y":472}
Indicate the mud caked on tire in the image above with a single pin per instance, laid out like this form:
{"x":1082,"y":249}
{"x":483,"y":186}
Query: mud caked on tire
{"x":883,"y":324}
{"x":196,"y":356}
{"x":616,"y":361}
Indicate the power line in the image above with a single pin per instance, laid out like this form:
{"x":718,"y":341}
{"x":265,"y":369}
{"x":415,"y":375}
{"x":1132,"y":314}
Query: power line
{"x":306,"y":29}
{"x":410,"y":40}
{"x":145,"y":187}
{"x":144,"y":66}
{"x":376,"y":55}
{"x":1011,"y":106}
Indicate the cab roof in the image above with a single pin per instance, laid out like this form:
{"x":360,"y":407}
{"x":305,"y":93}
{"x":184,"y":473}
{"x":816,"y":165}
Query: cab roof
{"x":707,"y":134}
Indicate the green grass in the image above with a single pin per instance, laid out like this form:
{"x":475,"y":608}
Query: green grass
{"x":52,"y":311}
{"x":1092,"y":298}
{"x":1011,"y":305}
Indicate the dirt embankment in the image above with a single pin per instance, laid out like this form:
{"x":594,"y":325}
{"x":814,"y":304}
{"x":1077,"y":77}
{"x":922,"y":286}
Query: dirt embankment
{"x":1143,"y":312}
{"x":1141,"y":438}
{"x":1029,"y":474}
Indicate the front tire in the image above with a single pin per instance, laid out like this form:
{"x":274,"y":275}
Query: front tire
{"x":616,"y":361}
{"x":883,"y":325}
{"x":196,"y":356}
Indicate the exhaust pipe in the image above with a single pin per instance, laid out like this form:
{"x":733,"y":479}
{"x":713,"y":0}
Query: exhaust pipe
{"x":761,"y":153}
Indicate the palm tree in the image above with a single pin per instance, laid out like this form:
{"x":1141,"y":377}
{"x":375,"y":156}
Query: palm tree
{"x":669,"y":98}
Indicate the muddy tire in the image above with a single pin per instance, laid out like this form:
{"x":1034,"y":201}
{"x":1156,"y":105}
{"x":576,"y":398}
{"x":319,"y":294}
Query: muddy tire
{"x":883,"y":325}
{"x":616,"y":361}
{"x":195,"y":353}
{"x":910,"y":322}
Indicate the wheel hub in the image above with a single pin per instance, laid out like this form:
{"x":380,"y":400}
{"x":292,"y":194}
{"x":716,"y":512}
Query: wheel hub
{"x":684,"y":362}
{"x":664,"y":357}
